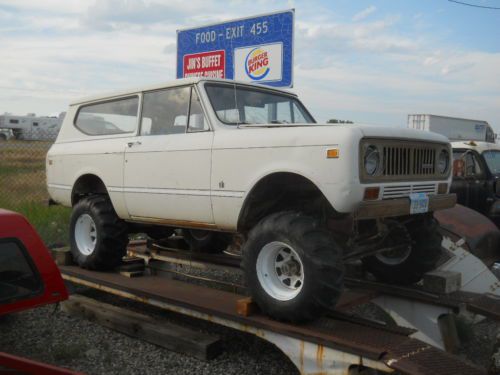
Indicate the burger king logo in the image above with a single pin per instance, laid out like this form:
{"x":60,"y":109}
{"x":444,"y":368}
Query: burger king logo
{"x":257,"y":64}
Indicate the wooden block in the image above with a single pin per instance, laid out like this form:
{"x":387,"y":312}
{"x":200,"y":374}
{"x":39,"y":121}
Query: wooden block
{"x":132,"y":273}
{"x":132,"y":259}
{"x":159,"y":332}
{"x":442,"y":281}
{"x":130,"y":266}
{"x":62,"y":256}
{"x":246,"y":307}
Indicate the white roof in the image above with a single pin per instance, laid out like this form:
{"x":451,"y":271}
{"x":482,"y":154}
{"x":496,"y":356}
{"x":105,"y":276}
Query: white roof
{"x":177,"y":82}
{"x":479,"y":146}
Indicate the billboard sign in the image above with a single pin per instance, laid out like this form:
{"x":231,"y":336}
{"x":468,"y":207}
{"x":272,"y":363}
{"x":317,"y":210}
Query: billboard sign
{"x":255,"y":49}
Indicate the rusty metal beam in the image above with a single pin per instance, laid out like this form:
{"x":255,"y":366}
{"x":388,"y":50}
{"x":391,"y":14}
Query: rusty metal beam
{"x":345,"y":343}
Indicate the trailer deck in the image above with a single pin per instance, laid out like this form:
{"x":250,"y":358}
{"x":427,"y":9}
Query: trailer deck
{"x":328,"y":346}
{"x":331,"y":345}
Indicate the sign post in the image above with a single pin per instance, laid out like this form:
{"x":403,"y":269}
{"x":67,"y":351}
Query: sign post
{"x":254,"y":49}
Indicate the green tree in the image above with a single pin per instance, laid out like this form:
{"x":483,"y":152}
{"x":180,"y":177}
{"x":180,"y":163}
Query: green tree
{"x":336,"y":121}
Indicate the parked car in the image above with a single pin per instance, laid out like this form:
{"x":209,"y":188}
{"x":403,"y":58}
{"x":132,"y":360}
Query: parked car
{"x":28,"y":275}
{"x":29,"y":278}
{"x":223,"y":159}
{"x":476,"y":177}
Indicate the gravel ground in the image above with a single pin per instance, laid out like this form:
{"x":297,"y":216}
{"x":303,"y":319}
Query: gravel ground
{"x":50,"y":335}
{"x":478,"y":340}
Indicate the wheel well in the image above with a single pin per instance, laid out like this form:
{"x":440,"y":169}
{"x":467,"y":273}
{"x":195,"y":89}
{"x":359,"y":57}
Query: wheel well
{"x":86,"y":185}
{"x":279,"y":192}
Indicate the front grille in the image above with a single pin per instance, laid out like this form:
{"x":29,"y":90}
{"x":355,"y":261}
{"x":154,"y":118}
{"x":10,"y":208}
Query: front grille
{"x":403,"y":160}
{"x":402,"y":191}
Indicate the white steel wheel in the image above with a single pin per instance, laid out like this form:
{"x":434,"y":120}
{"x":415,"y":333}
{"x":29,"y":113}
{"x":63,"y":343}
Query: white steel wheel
{"x":280,"y":271}
{"x":400,"y":241}
{"x":200,"y":235}
{"x":394,"y":257}
{"x":85,"y":234}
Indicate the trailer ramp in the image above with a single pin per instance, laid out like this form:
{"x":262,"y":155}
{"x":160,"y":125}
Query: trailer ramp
{"x":327,"y":346}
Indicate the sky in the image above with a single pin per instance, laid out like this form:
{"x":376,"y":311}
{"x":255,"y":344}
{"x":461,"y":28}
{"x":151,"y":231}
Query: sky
{"x":371,"y":62}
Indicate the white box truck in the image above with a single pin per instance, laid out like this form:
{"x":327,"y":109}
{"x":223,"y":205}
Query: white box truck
{"x":456,"y":129}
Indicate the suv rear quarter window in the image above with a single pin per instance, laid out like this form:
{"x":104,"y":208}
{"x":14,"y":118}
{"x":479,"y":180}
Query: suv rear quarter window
{"x":109,"y":117}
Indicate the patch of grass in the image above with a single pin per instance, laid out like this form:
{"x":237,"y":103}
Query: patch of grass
{"x":51,"y":222}
{"x":23,"y":189}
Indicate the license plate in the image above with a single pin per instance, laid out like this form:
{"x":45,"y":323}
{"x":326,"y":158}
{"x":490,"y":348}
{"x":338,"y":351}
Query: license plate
{"x":419,"y":203}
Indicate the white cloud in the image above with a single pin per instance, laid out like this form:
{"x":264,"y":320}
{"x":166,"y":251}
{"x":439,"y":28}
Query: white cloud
{"x":364,"y":13}
{"x":55,"y":6}
{"x":365,"y":70}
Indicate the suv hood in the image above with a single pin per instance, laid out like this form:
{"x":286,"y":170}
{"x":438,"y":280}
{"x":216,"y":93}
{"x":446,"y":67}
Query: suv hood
{"x":392,"y":132}
{"x":367,"y":131}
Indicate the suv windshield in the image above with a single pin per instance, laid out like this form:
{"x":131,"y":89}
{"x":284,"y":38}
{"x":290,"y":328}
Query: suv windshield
{"x":238,"y":104}
{"x":492,"y":158}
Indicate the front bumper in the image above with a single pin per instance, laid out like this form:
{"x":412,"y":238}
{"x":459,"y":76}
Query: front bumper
{"x":401,"y":206}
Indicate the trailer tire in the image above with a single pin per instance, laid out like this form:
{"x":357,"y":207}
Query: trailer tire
{"x":422,"y":257}
{"x":293,"y":247}
{"x":205,"y":241}
{"x":98,"y":236}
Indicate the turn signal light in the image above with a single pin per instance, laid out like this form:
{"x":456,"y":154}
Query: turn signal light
{"x":332,"y":153}
{"x":371,"y":193}
{"x":442,"y":188}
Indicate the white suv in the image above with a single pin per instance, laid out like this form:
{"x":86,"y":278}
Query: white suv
{"x":241,"y":164}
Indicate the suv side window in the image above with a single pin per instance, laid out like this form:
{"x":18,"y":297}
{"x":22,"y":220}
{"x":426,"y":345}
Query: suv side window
{"x":299,"y":114}
{"x":165,"y":111}
{"x":197,"y":120}
{"x":472,"y":166}
{"x":111,"y":117}
{"x":18,"y":277}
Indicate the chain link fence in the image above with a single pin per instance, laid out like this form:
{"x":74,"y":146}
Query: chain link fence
{"x":23,"y":184}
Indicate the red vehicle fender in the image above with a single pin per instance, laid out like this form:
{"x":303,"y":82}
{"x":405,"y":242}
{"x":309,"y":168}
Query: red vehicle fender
{"x":15,"y":227}
{"x":28,"y":366}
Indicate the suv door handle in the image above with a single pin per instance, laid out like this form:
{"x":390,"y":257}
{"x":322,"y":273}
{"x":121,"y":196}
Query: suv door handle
{"x":130,"y":144}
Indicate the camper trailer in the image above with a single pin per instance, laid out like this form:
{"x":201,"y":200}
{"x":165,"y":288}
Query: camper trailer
{"x":32,"y":127}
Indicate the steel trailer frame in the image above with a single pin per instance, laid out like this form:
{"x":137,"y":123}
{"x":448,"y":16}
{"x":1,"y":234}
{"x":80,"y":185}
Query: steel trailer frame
{"x":332,"y":345}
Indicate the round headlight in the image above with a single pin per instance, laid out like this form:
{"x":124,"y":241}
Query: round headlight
{"x":443,"y":161}
{"x":372,"y":160}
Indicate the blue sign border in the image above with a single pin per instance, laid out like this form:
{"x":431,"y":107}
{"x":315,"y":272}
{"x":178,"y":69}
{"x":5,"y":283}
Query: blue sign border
{"x":281,"y":26}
